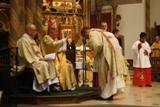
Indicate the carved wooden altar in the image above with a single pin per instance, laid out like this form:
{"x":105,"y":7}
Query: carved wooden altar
{"x":68,"y":12}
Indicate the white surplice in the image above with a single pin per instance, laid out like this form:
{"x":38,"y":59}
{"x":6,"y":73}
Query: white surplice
{"x":141,"y":60}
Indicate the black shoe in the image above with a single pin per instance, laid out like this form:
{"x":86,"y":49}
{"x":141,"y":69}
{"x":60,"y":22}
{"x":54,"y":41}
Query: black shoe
{"x":110,"y":98}
{"x":148,"y":85}
{"x":47,"y":93}
{"x":85,"y":85}
{"x":55,"y":88}
{"x":100,"y":98}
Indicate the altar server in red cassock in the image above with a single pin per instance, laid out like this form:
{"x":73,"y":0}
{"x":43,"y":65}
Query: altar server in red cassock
{"x":141,"y":62}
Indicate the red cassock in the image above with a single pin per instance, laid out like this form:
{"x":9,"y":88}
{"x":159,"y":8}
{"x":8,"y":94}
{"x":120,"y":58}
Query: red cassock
{"x":142,"y":76}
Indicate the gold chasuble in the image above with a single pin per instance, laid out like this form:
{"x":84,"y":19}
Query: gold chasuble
{"x":155,"y":49}
{"x":66,"y":71}
{"x":88,"y":76}
{"x":89,"y":73}
{"x":29,"y":53}
{"x":105,"y":50}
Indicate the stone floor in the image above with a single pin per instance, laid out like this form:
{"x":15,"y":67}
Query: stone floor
{"x":133,"y":96}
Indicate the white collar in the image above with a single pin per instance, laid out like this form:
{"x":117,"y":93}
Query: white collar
{"x":26,"y":35}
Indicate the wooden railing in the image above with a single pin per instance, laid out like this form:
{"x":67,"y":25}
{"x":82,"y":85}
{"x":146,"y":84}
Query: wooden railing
{"x":155,"y":67}
{"x":155,"y":63}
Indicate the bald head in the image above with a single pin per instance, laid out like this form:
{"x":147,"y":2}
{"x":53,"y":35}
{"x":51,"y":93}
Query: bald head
{"x":157,"y":39}
{"x":31,"y":30}
{"x":28,"y":26}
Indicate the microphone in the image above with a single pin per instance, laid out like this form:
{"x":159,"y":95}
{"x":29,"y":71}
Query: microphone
{"x":84,"y":40}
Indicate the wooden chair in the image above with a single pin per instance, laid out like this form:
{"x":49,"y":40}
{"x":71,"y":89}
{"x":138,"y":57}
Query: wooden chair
{"x":8,"y":84}
{"x":25,"y":81}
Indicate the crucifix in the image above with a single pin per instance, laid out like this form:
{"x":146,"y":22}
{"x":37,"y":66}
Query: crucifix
{"x":99,"y":9}
{"x":114,"y":7}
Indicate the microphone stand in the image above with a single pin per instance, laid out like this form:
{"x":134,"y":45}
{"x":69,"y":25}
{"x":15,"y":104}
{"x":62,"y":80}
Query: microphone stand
{"x":84,"y":63}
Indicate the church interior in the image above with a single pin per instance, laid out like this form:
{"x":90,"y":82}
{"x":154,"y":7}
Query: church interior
{"x":129,"y":16}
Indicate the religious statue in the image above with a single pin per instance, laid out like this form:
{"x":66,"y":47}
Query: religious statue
{"x":46,"y":5}
{"x":45,"y":24}
{"x":78,"y":7}
{"x":53,"y":21}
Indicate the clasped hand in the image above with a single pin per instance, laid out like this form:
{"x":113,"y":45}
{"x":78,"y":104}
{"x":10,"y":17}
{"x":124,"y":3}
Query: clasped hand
{"x":145,"y":52}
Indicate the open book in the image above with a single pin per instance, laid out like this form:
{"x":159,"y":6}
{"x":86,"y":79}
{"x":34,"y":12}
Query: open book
{"x":51,"y":56}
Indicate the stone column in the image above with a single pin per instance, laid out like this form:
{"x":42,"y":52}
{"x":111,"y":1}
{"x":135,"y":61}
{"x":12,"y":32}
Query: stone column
{"x":38,"y":18}
{"x":30,"y":10}
{"x":84,"y":14}
{"x":148,"y":21}
{"x":17,"y":21}
{"x":33,"y":14}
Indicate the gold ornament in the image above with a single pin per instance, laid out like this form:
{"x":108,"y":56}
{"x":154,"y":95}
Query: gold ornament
{"x":141,"y":76}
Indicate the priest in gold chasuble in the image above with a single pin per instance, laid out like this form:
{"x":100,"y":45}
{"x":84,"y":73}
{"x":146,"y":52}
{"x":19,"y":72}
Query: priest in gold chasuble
{"x":50,"y":44}
{"x":156,"y":47}
{"x":84,"y":76}
{"x":108,"y":61}
{"x":29,"y":54}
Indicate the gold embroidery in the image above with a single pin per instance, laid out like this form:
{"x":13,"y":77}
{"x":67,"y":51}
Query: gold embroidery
{"x":141,"y":75}
{"x":34,"y":46}
{"x":107,"y":38}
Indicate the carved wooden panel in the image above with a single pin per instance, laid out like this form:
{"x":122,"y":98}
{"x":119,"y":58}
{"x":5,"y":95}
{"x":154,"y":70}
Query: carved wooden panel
{"x":158,"y":29}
